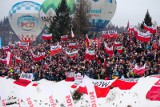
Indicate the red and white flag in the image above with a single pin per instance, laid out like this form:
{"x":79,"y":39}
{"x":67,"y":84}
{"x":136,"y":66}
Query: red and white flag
{"x":98,"y":42}
{"x":119,"y":49}
{"x":150,"y":29}
{"x":72,"y":55}
{"x":109,"y":34}
{"x":108,"y":50}
{"x":6,"y":48}
{"x":72,"y":45}
{"x":18,"y":59}
{"x":24,"y":45}
{"x":144,"y":37}
{"x":64,"y":37}
{"x":8,"y":59}
{"x":72,"y":34}
{"x":139,"y":70}
{"x":11,"y":45}
{"x":117,"y":43}
{"x":90,"y":55}
{"x":55,"y":49}
{"x":47,"y":36}
{"x":39,"y":56}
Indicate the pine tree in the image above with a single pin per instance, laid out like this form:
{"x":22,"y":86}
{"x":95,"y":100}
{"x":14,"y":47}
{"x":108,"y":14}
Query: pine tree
{"x":61,"y":23}
{"x":81,"y":17}
{"x":147,"y":20}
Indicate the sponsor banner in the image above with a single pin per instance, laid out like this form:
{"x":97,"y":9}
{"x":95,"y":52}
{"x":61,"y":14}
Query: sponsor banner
{"x":2,"y":100}
{"x":26,"y":76}
{"x":91,"y":91}
{"x":48,"y":94}
{"x":78,"y":78}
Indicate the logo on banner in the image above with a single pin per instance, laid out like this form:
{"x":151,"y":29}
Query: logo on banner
{"x":27,"y":23}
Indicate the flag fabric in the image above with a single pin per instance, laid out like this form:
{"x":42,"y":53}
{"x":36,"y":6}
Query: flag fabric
{"x":154,"y":93}
{"x":23,"y":45}
{"x":18,"y":59}
{"x":108,"y":50}
{"x":123,"y":85}
{"x":72,"y":45}
{"x":90,"y":55}
{"x":6,"y":48}
{"x":64,"y":37}
{"x":47,"y":36}
{"x":144,"y":37}
{"x":55,"y":49}
{"x":72,"y":55}
{"x":24,"y":80}
{"x":11,"y":45}
{"x":39,"y":56}
{"x":119,"y":49}
{"x":110,"y":34}
{"x":98,"y":42}
{"x":117,"y":43}
{"x":139,"y":70}
{"x":150,"y":29}
{"x":72,"y":34}
{"x":91,"y":91}
{"x":8,"y":59}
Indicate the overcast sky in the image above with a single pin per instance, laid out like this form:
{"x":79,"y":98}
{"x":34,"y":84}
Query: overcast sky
{"x":132,"y":10}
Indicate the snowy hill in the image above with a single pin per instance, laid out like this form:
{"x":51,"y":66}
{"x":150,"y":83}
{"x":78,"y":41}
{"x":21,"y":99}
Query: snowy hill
{"x":52,"y":94}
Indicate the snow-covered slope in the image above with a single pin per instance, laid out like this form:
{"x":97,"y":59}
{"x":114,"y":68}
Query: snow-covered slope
{"x":17,"y":96}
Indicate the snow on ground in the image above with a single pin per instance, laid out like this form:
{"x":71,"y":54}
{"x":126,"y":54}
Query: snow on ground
{"x":136,"y":97}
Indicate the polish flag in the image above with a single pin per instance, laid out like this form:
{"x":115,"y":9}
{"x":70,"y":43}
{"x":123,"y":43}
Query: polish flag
{"x":150,"y":29}
{"x":72,"y":45}
{"x":110,"y":34}
{"x":139,"y":70}
{"x":108,"y":50}
{"x":72,"y":55}
{"x":117,"y":43}
{"x":119,"y":49}
{"x":72,"y":34}
{"x":11,"y":45}
{"x":24,"y":45}
{"x":98,"y":42}
{"x":8,"y":59}
{"x":144,"y":37}
{"x":6,"y":48}
{"x":38,"y":57}
{"x":18,"y":59}
{"x":90,"y":55}
{"x":55,"y":49}
{"x":47,"y":36}
{"x":64,"y":38}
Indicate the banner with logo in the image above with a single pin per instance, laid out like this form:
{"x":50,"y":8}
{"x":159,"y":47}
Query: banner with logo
{"x":91,"y":91}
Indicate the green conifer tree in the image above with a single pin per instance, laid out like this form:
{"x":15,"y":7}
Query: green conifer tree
{"x":61,"y":23}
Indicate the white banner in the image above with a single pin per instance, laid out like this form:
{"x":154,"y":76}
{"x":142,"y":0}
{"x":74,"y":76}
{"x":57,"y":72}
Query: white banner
{"x":2,"y":100}
{"x":26,"y":76}
{"x":91,"y":91}
{"x":78,"y":78}
{"x":48,"y":93}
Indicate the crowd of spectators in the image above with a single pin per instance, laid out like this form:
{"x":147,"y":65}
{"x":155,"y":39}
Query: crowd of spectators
{"x":53,"y":68}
